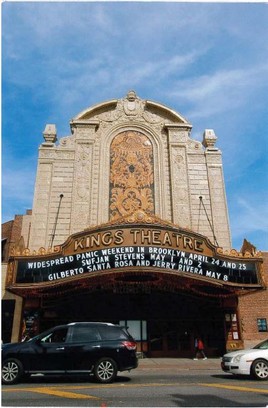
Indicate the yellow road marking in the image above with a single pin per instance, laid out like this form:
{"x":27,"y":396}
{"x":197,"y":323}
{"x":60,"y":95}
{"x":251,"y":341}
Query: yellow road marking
{"x":60,"y":393}
{"x":97,"y":386}
{"x":57,"y":391}
{"x":236,"y":388}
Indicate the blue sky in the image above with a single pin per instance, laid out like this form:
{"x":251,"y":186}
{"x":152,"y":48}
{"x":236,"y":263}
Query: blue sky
{"x":207,"y":61}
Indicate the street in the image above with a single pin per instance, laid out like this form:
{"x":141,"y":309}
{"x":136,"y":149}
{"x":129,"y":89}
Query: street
{"x":155,"y":383}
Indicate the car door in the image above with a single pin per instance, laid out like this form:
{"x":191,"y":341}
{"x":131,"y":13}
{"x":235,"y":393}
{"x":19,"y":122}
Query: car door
{"x":50,"y":352}
{"x":84,"y":347}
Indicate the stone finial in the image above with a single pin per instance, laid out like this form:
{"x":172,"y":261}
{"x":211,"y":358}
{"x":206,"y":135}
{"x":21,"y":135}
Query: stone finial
{"x":50,"y":133}
{"x":131,"y":96}
{"x":209,"y":139}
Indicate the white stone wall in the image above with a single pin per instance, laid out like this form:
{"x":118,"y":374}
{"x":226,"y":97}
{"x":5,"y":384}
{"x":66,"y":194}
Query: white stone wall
{"x":78,"y":168}
{"x":26,"y":228}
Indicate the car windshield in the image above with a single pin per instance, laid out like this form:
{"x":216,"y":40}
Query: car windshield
{"x":262,"y":345}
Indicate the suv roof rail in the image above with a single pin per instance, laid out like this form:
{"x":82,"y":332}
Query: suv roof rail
{"x":104,"y":323}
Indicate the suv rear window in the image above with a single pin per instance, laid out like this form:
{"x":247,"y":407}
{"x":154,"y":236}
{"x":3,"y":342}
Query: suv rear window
{"x":113,"y":333}
{"x":83,"y":334}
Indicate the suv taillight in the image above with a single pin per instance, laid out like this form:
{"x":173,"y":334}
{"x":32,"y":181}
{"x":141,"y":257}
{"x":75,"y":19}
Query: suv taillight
{"x":130,"y":345}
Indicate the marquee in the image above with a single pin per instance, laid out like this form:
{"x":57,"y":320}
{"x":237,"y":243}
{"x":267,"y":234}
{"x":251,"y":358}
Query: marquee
{"x":139,"y":243}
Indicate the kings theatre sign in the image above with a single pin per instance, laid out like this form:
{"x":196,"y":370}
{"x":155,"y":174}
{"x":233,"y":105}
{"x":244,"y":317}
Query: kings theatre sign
{"x":140,"y":246}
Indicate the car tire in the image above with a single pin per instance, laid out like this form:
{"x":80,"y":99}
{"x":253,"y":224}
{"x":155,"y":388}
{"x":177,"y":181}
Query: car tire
{"x":259,"y":369}
{"x":105,"y":370}
{"x":12,"y":371}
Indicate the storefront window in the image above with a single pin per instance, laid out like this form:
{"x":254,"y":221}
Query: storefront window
{"x":137,"y":328}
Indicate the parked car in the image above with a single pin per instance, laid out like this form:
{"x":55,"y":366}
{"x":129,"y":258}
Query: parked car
{"x":252,"y":362}
{"x":83,"y":348}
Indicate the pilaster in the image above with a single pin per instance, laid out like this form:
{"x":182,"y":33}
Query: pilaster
{"x":220,"y":220}
{"x":84,"y":182}
{"x":41,"y":202}
{"x":178,"y":135}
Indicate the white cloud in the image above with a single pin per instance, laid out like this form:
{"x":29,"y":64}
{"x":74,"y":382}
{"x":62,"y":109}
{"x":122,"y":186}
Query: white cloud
{"x":253,"y":215}
{"x":249,"y":218}
{"x":221,"y":91}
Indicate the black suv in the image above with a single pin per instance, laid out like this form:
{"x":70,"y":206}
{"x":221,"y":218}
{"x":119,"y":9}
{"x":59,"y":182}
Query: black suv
{"x":101,"y":349}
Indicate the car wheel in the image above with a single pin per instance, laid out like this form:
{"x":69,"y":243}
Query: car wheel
{"x":259,"y":369}
{"x":12,"y":371}
{"x":105,"y":370}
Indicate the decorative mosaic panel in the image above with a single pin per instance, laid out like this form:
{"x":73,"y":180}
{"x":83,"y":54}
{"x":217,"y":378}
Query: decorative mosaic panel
{"x":131,"y":175}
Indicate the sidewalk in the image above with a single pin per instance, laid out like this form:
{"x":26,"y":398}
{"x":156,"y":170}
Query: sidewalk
{"x":179,"y":364}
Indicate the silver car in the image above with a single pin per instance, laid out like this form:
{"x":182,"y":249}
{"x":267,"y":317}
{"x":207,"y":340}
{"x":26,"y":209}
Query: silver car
{"x":252,"y":362}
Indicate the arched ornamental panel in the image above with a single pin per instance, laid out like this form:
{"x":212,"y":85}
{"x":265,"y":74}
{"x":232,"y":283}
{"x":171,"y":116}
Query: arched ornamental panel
{"x":131,"y":174}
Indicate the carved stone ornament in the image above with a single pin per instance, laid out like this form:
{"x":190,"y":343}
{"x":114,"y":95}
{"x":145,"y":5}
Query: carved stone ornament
{"x":68,"y":141}
{"x":131,"y":176}
{"x":140,"y":217}
{"x":133,"y":105}
{"x":10,"y":273}
{"x":194,"y":145}
{"x":83,"y":171}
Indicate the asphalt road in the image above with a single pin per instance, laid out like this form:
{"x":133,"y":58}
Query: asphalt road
{"x":158,"y":383}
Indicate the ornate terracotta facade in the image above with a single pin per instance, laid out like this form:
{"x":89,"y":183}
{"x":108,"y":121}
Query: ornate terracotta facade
{"x":130,"y":205}
{"x":124,"y":155}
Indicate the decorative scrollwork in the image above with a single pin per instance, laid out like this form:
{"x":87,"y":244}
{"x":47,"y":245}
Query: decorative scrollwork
{"x":235,"y":253}
{"x":132,"y":176}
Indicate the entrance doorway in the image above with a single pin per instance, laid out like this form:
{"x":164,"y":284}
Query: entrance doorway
{"x":172,"y":320}
{"x":175,"y":338}
{"x":168,"y":338}
{"x":8,"y":307}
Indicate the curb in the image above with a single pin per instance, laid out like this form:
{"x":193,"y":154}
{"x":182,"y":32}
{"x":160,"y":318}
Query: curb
{"x":179,"y":364}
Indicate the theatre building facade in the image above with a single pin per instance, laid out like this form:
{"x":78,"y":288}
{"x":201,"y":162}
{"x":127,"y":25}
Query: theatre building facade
{"x":130,"y":225}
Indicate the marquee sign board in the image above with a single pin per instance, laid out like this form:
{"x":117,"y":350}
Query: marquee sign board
{"x":137,"y":257}
{"x":145,"y":246}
